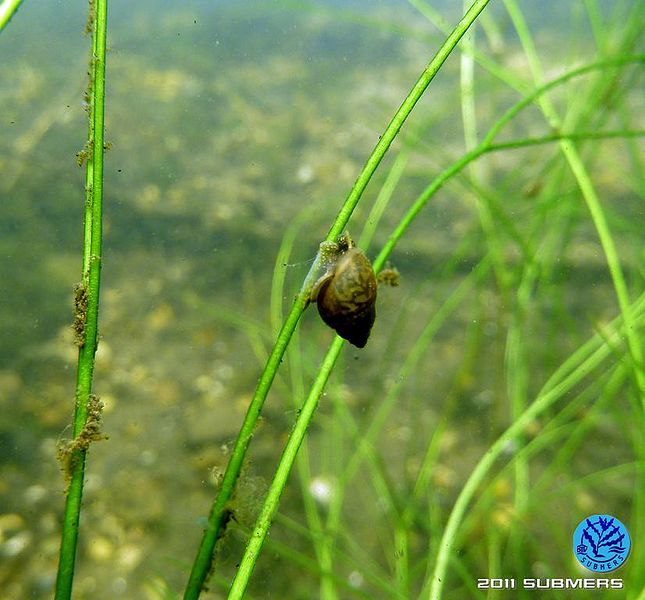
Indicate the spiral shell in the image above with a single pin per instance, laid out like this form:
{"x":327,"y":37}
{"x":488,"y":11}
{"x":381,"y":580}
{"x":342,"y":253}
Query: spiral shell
{"x":346,"y":294}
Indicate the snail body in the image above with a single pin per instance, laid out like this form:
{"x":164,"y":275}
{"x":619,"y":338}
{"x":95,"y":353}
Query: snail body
{"x":346,"y":292}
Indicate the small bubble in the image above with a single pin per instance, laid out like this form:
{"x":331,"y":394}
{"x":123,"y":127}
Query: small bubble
{"x":356,"y":579}
{"x":322,"y":489}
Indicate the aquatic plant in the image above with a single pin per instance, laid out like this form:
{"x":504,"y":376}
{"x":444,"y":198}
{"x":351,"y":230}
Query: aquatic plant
{"x":218,"y":513}
{"x":480,"y":387}
{"x":87,"y":406}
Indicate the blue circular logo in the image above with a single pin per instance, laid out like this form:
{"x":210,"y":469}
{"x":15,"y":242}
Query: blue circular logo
{"x":601,"y":543}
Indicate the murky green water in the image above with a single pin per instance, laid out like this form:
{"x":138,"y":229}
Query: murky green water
{"x":231,"y":124}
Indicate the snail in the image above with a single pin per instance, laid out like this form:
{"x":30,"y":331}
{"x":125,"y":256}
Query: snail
{"x":346,"y":291}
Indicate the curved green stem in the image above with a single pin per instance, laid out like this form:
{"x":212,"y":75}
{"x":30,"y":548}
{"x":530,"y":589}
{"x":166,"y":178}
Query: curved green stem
{"x":87,"y":307}
{"x":402,"y":114}
{"x":7,"y":10}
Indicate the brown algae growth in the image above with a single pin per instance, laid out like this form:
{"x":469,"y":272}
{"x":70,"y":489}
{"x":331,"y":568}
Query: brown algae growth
{"x":80,"y":314}
{"x":68,"y":451}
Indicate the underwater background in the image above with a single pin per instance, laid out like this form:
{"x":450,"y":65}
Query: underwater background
{"x":232,"y":127}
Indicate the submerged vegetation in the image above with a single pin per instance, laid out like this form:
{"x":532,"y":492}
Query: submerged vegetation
{"x":500,"y":397}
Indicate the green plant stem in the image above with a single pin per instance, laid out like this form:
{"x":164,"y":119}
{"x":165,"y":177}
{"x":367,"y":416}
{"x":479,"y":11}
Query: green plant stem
{"x":7,"y":10}
{"x":282,"y":473}
{"x":402,"y":114}
{"x":91,"y":280}
{"x":202,"y":563}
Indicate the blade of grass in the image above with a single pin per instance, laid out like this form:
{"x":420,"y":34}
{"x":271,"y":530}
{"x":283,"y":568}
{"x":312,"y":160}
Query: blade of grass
{"x":7,"y":10}
{"x":83,"y":431}
{"x":401,"y":115}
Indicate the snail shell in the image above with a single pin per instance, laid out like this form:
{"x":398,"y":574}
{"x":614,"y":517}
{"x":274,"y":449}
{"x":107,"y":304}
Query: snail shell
{"x":346,"y":295}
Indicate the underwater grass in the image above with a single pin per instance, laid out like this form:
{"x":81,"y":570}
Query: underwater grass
{"x":87,"y":406}
{"x":485,"y":147}
{"x":412,"y":503}
{"x":306,"y":413}
{"x":581,"y":362}
{"x":310,"y":404}
{"x":589,"y":194}
{"x":522,"y":417}
{"x":218,"y":513}
{"x":518,"y":369}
